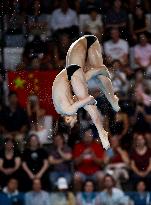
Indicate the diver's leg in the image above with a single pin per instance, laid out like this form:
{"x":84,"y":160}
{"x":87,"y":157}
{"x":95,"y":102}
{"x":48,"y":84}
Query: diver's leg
{"x":80,"y":89}
{"x":105,"y":85}
{"x":98,"y":122}
{"x":96,"y":63}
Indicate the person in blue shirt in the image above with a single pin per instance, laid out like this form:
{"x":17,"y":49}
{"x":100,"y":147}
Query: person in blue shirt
{"x":37,"y":196}
{"x":140,"y":197}
{"x":4,"y":199}
{"x":111,"y":195}
{"x":88,"y":196}
{"x":12,"y":194}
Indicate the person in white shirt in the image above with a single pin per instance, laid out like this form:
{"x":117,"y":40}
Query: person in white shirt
{"x":111,"y":195}
{"x":62,"y":196}
{"x":119,"y":78}
{"x":116,"y":48}
{"x":142,"y":53}
{"x":63,"y":17}
{"x":37,"y":196}
{"x":94,"y":24}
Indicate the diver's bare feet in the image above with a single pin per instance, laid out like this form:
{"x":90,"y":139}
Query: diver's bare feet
{"x":105,"y":140}
{"x":92,"y":101}
{"x":115,"y":104}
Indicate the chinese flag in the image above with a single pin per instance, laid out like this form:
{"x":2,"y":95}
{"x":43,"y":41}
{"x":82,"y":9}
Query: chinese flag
{"x":38,"y":83}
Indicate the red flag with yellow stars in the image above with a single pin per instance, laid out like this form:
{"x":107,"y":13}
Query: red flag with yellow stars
{"x":38,"y":83}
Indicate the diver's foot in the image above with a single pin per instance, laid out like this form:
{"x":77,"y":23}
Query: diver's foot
{"x":105,"y":140}
{"x":92,"y":101}
{"x":115,"y":104}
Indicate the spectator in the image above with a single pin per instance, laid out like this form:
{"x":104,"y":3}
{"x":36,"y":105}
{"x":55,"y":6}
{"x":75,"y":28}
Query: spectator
{"x":36,"y":24}
{"x":117,"y":17}
{"x":94,"y":24}
{"x":34,"y":161}
{"x":34,"y":48}
{"x":142,"y":89}
{"x":111,"y":195}
{"x":131,"y":5}
{"x":48,"y":61}
{"x":148,"y":121}
{"x":33,"y":111}
{"x":4,"y":199}
{"x":118,"y":124}
{"x":63,"y":196}
{"x":140,"y":160}
{"x":11,"y":190}
{"x":138,"y":22}
{"x":119,"y":78}
{"x":59,"y":158}
{"x":74,"y":135}
{"x":88,"y":194}
{"x":64,"y":18}
{"x":116,"y":48}
{"x":85,"y":4}
{"x":15,"y":120}
{"x":35,"y":63}
{"x":37,"y":119}
{"x":141,"y":115}
{"x":148,"y":139}
{"x":140,"y":197}
{"x":88,"y":157}
{"x":142,"y":53}
{"x":37,"y":196}
{"x":117,"y":160}
{"x":85,"y":119}
{"x":61,"y":51}
{"x":38,"y":59}
{"x":10,"y":162}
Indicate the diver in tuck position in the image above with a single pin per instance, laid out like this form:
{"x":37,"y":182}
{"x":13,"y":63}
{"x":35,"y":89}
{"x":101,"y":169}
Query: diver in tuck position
{"x":83,"y":62}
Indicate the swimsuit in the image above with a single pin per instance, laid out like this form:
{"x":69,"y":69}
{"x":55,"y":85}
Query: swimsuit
{"x":74,"y":67}
{"x":71,"y":69}
{"x":90,"y":40}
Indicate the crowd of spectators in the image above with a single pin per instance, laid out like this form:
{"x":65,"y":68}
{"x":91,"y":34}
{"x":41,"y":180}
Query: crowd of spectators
{"x":69,"y":166}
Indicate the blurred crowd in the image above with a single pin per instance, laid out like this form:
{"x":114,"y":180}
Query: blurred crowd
{"x":42,"y":160}
{"x":40,"y":27}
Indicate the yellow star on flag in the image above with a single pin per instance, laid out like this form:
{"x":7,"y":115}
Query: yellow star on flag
{"x":19,"y":83}
{"x":36,"y":81}
{"x":30,"y":75}
{"x":36,"y":88}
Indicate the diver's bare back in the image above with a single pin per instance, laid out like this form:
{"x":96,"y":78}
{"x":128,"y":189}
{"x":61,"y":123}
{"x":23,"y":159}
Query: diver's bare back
{"x":61,"y":91}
